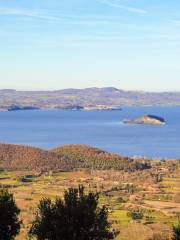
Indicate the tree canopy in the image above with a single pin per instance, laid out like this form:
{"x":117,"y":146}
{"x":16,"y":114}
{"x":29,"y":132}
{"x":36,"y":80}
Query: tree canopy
{"x":77,"y":217}
{"x":9,"y":222}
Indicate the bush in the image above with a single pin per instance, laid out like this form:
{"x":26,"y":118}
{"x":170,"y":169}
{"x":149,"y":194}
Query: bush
{"x":78,"y":217}
{"x":136,"y":214}
{"x":122,"y":199}
{"x":176,"y":232}
{"x":9,"y":222}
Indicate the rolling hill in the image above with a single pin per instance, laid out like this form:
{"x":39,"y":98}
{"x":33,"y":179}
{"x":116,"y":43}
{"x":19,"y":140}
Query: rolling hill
{"x":18,"y":157}
{"x":98,"y":159}
{"x":64,"y":158}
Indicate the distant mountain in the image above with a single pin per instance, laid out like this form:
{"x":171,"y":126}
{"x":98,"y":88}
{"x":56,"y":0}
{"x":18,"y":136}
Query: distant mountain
{"x":79,"y":98}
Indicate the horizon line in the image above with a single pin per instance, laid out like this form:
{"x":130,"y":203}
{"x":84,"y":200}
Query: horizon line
{"x":85,"y":88}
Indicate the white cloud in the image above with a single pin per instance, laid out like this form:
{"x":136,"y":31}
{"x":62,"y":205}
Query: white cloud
{"x":49,"y":16}
{"x":130,"y":9}
{"x":28,"y":13}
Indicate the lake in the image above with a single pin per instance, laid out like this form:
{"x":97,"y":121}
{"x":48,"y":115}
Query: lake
{"x":103,"y":129}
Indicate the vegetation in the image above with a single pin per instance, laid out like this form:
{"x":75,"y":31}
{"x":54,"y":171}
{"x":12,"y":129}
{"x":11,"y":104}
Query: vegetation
{"x":159,"y":215}
{"x":95,"y":158}
{"x":122,"y":191}
{"x":77,"y":217}
{"x":17,"y":157}
{"x":176,"y":231}
{"x":66,"y":158}
{"x":136,"y":214}
{"x":9,"y":222}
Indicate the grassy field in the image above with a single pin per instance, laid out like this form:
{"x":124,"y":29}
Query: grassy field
{"x":120,"y":191}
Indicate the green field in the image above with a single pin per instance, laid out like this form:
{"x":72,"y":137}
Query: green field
{"x":119,"y":191}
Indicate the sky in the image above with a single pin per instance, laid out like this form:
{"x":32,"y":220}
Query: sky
{"x":56,"y":44}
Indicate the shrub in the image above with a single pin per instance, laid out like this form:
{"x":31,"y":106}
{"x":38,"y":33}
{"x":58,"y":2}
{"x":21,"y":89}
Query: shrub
{"x":122,"y":199}
{"x":176,"y":232}
{"x":136,"y":214}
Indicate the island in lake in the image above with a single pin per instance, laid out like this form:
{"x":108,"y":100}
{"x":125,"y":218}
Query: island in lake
{"x":147,"y":119}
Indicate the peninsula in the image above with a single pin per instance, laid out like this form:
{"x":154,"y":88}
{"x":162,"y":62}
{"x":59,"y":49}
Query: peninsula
{"x":108,"y":98}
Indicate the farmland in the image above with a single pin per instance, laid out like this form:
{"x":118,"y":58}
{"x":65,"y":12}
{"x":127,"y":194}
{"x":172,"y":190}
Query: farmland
{"x":120,"y":191}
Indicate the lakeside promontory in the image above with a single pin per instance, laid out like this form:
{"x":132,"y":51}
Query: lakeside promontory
{"x":108,"y":98}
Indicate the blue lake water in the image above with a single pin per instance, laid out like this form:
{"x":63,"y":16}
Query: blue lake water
{"x":103,"y":129}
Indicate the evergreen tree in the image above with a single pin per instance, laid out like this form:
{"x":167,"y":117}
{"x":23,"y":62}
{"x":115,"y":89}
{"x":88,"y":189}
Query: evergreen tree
{"x":77,"y":217}
{"x":9,"y":222}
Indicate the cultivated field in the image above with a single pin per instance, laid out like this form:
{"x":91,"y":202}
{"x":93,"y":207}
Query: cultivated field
{"x":158,"y":199}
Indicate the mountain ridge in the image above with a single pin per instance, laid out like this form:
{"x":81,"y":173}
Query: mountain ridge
{"x":81,"y":98}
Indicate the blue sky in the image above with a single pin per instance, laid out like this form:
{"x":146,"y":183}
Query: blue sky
{"x":55,"y":44}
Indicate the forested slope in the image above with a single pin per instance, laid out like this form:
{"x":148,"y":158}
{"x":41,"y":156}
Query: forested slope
{"x":98,"y":159}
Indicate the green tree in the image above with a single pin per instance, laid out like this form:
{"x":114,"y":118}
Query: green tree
{"x":77,"y":217}
{"x":176,"y":232}
{"x":136,"y":214}
{"x":9,"y":222}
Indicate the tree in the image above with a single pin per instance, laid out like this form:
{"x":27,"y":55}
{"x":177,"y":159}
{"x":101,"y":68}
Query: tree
{"x":9,"y":222}
{"x":136,"y":214}
{"x":77,"y":217}
{"x":176,"y":232}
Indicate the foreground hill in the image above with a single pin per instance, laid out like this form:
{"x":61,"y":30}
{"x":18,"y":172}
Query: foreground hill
{"x":83,"y":98}
{"x":65,"y":158}
{"x":98,"y":159}
{"x":17,"y":157}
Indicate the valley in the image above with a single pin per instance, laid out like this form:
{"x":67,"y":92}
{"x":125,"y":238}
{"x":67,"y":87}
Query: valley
{"x":153,"y":190}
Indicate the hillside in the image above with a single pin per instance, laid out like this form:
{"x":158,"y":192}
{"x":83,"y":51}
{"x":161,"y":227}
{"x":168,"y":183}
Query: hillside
{"x":65,"y":158}
{"x":16,"y":157}
{"x":83,"y":98}
{"x":98,"y":159}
